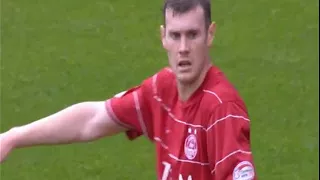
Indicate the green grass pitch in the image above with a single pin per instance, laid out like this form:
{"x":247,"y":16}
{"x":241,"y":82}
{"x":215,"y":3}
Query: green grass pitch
{"x":56,"y":53}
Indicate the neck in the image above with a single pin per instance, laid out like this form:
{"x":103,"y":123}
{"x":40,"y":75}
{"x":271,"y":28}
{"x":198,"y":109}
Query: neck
{"x":186,"y":90}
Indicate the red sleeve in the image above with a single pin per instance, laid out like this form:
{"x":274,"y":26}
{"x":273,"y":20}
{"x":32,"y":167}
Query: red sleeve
{"x":131,"y":110}
{"x":228,"y":143}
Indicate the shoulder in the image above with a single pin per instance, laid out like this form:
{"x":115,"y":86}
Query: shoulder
{"x":162,"y":81}
{"x":157,"y":78}
{"x":163,"y":76}
{"x":220,"y":92}
{"x":150,"y":85}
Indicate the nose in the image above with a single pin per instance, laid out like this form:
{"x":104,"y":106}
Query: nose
{"x":184,"y":46}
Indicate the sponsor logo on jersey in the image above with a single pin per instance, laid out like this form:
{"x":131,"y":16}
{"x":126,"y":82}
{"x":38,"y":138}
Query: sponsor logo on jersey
{"x":243,"y":171}
{"x":191,"y":147}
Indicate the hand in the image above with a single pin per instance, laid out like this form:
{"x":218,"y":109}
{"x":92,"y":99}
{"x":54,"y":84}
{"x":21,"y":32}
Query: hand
{"x":6,"y":146}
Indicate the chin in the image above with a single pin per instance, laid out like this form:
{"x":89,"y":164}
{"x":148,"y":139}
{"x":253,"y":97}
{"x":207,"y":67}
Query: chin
{"x":186,"y":78}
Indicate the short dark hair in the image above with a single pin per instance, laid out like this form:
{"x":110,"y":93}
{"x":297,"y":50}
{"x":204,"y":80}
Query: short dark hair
{"x":183,"y":6}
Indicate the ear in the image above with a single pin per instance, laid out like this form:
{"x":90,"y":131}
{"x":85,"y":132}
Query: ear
{"x":163,"y":36}
{"x":211,"y":33}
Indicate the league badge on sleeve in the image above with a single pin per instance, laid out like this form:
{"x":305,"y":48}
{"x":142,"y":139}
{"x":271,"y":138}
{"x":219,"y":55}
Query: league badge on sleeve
{"x":243,"y":171}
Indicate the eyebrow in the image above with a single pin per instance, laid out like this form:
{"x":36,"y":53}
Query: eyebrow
{"x":188,"y":30}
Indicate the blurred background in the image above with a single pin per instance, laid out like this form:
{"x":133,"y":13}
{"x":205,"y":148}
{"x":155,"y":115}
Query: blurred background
{"x":57,"y":53}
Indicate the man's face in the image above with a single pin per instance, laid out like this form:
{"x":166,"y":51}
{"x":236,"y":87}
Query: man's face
{"x":187,"y":41}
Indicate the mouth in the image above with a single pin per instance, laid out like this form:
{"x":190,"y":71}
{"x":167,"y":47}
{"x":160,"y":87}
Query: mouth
{"x":184,"y":63}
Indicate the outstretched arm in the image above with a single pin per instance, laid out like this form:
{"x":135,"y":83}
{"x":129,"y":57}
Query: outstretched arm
{"x":82,"y":122}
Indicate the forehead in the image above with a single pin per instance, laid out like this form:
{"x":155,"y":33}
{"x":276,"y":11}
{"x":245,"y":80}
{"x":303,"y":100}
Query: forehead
{"x":192,"y":19}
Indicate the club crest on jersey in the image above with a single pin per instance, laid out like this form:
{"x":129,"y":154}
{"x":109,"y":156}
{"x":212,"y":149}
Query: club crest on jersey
{"x":243,"y":171}
{"x":191,"y":146}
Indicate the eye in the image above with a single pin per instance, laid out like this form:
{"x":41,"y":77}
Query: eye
{"x":192,"y":34}
{"x":175,"y":35}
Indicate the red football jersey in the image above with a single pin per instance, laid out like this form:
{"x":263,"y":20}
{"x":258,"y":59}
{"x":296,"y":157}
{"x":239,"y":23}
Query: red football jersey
{"x":206,"y":137}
